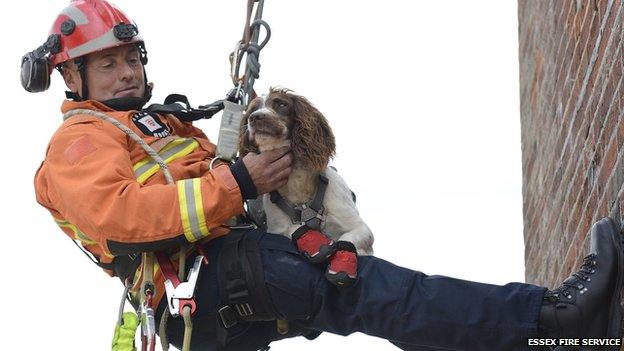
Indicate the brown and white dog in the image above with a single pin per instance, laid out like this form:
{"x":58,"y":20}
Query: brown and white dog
{"x":284,"y":118}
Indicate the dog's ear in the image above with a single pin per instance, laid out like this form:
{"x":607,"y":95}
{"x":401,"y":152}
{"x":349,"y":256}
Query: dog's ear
{"x":313,"y":141}
{"x":245,"y":145}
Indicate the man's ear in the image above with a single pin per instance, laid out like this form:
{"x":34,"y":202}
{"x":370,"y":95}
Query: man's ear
{"x":72,"y":78}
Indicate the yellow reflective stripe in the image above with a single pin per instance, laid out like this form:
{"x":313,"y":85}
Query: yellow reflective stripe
{"x":176,"y":149}
{"x":192,"y":209}
{"x":199,"y":208}
{"x":78,"y":234}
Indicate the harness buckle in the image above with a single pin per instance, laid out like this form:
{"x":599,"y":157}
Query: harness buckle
{"x":311,"y":218}
{"x":307,"y":213}
{"x":227,"y":316}
{"x":244,"y":309}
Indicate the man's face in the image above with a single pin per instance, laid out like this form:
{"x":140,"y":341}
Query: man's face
{"x":111,"y":73}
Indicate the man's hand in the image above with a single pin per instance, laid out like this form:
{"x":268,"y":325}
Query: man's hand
{"x":269,"y":170}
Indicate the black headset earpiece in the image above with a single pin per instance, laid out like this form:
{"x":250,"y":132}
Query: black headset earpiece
{"x":35,"y":74}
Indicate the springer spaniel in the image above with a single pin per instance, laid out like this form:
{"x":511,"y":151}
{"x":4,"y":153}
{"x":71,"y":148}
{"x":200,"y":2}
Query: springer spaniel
{"x":284,"y":118}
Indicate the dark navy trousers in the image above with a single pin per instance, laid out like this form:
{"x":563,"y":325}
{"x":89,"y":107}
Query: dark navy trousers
{"x":412,"y":310}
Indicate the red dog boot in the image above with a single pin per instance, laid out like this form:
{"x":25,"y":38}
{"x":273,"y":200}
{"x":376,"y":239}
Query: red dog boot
{"x":315,"y":246}
{"x":342,"y":269}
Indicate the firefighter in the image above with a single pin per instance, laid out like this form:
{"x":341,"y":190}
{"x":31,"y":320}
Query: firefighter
{"x":104,"y":190}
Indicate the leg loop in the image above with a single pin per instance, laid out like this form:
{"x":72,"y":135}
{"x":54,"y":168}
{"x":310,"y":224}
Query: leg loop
{"x":242,"y":291}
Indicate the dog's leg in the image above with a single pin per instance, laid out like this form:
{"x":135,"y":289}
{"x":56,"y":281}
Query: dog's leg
{"x":361,"y":237}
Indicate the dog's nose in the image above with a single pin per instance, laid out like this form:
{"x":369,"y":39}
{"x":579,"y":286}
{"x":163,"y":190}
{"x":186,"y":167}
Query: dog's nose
{"x":256,"y":116}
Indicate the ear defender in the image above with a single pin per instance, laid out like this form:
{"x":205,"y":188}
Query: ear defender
{"x":35,"y":70}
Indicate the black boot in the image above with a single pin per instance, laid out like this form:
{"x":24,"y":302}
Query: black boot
{"x":587,"y":304}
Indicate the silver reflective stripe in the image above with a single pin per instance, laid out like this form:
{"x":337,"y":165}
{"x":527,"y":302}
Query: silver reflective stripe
{"x":164,"y":155}
{"x":75,"y":14}
{"x":106,"y":40}
{"x":192,"y":210}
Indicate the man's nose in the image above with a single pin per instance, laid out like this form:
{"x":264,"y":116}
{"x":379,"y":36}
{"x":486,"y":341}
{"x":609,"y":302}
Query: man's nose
{"x":125,"y":71}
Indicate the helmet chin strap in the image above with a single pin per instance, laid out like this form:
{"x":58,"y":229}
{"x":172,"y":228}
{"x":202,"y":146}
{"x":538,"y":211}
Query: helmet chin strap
{"x":81,"y":64}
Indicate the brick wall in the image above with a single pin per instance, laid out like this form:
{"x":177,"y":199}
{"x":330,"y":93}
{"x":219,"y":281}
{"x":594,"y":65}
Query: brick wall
{"x":571,"y":63}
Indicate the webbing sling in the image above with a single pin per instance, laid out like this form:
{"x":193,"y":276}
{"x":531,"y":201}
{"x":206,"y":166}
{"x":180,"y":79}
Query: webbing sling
{"x":179,"y":106}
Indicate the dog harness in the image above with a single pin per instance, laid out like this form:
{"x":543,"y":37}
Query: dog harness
{"x":311,"y":213}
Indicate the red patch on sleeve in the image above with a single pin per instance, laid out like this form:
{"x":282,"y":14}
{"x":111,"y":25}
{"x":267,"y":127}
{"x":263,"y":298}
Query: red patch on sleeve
{"x":79,"y":149}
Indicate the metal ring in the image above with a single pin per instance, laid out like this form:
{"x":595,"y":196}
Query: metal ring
{"x":214,"y":159}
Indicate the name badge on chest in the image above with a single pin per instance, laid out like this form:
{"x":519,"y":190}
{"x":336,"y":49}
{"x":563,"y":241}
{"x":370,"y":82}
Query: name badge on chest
{"x":150,"y":125}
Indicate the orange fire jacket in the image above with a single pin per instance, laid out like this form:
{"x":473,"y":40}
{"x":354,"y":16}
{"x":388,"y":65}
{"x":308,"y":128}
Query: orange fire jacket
{"x":104,"y":190}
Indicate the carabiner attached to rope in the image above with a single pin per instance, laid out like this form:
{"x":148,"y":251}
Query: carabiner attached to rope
{"x":148,"y":289}
{"x":249,"y":46}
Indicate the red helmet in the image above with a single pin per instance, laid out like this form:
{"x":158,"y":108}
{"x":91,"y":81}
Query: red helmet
{"x":84,"y":27}
{"x":87,"y":26}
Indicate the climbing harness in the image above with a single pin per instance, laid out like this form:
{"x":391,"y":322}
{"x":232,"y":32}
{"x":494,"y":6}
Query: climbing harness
{"x":311,"y":213}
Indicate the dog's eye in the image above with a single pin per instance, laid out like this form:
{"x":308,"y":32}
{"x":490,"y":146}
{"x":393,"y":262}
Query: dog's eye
{"x":280,"y":104}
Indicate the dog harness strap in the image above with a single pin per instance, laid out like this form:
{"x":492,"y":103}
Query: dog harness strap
{"x":310,"y":213}
{"x":319,"y":194}
{"x":285,"y":205}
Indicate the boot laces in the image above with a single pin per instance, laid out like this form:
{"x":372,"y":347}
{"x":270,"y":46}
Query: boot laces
{"x":574,"y":281}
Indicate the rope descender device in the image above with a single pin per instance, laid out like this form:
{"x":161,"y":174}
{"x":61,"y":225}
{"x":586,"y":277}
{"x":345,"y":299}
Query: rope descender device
{"x":179,"y":294}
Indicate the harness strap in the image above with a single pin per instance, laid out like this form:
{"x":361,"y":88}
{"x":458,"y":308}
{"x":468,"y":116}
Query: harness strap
{"x":179,"y":106}
{"x":286,"y":205}
{"x":242,"y":291}
{"x":319,"y":194}
{"x":309,"y":213}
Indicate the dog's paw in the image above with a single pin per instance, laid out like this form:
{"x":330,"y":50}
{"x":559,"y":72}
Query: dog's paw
{"x":315,"y":246}
{"x":342,"y":268}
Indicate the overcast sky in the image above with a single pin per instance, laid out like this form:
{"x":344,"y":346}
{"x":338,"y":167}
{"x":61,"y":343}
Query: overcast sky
{"x":423,"y":100}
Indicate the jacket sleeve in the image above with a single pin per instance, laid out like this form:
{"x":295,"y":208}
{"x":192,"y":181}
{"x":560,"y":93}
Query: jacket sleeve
{"x":88,"y":178}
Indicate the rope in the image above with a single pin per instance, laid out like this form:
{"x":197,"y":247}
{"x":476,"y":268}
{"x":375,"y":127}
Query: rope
{"x":188,"y":328}
{"x":162,"y":329}
{"x":123,"y":301}
{"x":249,"y":46}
